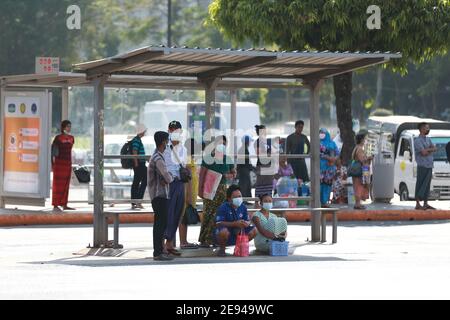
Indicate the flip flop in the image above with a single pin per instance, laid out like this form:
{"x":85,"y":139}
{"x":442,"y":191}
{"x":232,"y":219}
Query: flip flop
{"x":189,"y":246}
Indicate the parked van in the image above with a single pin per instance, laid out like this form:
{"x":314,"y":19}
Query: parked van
{"x":157,"y":115}
{"x":404,"y":132}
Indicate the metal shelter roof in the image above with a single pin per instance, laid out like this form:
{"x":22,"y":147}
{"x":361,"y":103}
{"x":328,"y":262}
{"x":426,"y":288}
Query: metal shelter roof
{"x":160,"y":67}
{"x":240,"y":64}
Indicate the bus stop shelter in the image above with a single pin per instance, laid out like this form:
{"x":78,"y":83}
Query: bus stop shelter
{"x":160,"y":67}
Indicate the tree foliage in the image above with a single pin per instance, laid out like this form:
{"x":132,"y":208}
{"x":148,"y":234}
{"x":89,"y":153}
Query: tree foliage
{"x":419,"y":29}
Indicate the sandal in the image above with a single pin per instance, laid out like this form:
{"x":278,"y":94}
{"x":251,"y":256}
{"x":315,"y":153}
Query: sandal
{"x":359,"y":208}
{"x":189,"y":246}
{"x":428,"y":207}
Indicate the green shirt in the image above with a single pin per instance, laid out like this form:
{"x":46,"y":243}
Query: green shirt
{"x":222,"y":168}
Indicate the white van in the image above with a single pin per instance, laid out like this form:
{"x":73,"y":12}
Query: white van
{"x":157,"y":115}
{"x":404,"y":131}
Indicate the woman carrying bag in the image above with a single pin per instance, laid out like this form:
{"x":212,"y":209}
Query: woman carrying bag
{"x":359,"y":159}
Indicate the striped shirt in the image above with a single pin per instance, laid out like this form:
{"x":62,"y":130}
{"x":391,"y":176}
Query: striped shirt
{"x":158,"y":177}
{"x":138,"y":146}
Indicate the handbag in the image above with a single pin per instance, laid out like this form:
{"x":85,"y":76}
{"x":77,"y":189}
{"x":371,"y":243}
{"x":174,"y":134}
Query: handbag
{"x":83,"y":174}
{"x":242,"y":248}
{"x":191,"y":216}
{"x":355,"y":169}
{"x":185,"y":173}
{"x":208,"y":183}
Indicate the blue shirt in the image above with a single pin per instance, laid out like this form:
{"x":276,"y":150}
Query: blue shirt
{"x":227,"y":213}
{"x":421,"y":143}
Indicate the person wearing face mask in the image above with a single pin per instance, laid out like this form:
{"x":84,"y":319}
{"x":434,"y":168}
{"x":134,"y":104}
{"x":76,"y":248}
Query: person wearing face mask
{"x":218,"y":162}
{"x":424,"y":149}
{"x":62,"y":166}
{"x":139,"y":167}
{"x":268,"y":225}
{"x":231,"y":219}
{"x":329,"y":153}
{"x":174,"y":156}
{"x":159,"y":180}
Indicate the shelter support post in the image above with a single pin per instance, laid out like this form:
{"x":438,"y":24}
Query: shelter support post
{"x":233,"y":95}
{"x":100,"y":219}
{"x":210,"y":102}
{"x":314,"y":86}
{"x":65,"y":103}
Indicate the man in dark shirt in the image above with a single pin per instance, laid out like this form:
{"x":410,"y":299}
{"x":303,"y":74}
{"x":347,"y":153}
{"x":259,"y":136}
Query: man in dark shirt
{"x":295,"y":144}
{"x":231,"y":219}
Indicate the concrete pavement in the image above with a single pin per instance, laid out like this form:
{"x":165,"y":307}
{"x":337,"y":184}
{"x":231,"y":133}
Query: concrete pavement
{"x":372,"y":260}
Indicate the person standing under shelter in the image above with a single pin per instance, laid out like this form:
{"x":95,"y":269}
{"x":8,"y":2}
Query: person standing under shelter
{"x":244,"y":167}
{"x":424,"y":150}
{"x":62,"y":166}
{"x":295,"y":144}
{"x":175,"y":157}
{"x":218,"y":162}
{"x":159,"y":180}
{"x":140,"y":169}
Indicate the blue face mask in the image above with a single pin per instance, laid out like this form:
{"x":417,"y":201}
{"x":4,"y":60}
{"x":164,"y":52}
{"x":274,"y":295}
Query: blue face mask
{"x":237,"y":202}
{"x":267,"y":206}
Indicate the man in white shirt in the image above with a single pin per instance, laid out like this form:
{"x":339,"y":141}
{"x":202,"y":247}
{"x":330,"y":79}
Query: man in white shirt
{"x":174,"y":156}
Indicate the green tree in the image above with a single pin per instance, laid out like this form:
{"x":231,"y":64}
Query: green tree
{"x":419,"y":29}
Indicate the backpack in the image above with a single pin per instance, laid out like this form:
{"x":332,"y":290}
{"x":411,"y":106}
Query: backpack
{"x":127,"y":151}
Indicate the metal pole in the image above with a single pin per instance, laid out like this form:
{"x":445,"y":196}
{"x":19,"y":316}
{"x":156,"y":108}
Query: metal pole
{"x":315,"y":157}
{"x":100,"y":222}
{"x":169,"y":23}
{"x":210,"y":103}
{"x":233,"y":94}
{"x":65,"y":103}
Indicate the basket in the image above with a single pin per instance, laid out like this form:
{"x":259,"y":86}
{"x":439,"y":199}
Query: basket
{"x":278,"y":248}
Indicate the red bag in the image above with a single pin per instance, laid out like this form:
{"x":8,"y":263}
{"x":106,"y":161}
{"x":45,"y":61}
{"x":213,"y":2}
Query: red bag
{"x":242,"y":248}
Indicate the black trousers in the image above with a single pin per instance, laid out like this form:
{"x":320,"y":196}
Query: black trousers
{"x":139,"y":182}
{"x":160,"y":208}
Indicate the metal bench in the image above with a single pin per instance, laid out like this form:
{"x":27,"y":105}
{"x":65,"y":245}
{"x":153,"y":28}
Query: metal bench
{"x":321,"y":212}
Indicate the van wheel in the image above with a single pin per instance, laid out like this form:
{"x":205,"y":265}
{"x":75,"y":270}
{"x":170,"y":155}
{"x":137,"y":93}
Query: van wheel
{"x":404,"y":193}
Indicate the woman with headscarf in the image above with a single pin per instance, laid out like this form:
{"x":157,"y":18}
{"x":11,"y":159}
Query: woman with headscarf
{"x":219,"y":162}
{"x":329,"y":153}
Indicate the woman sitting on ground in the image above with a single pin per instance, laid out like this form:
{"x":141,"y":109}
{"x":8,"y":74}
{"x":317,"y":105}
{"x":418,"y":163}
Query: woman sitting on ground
{"x":268,"y":225}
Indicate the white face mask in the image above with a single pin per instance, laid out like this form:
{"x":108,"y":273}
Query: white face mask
{"x":322,"y":136}
{"x":221,"y":148}
{"x":267,"y":206}
{"x":175,"y":136}
{"x":237,"y":202}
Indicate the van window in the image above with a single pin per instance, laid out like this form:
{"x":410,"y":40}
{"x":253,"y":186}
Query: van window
{"x":440,"y":143}
{"x":405,"y":146}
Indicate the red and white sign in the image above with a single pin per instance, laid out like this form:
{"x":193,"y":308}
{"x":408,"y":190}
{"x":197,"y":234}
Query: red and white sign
{"x":47,"y":65}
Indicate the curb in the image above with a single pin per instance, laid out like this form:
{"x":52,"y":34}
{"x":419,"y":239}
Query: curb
{"x":12,"y":220}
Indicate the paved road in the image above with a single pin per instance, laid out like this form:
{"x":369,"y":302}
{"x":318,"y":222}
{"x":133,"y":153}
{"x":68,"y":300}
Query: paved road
{"x":371,"y":260}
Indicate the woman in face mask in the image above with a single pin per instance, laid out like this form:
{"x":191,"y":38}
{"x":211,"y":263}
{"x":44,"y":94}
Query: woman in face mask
{"x":62,"y":166}
{"x":223,"y":165}
{"x":268,"y":225}
{"x":329,"y":153}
